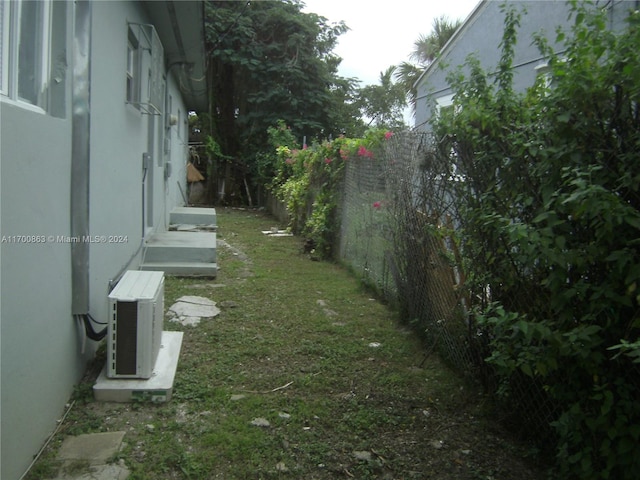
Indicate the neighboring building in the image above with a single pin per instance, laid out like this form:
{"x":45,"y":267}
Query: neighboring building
{"x":94,"y":130}
{"x":481,"y":34}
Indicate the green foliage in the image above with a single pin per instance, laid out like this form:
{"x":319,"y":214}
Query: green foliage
{"x":280,"y":140}
{"x":271,"y":61}
{"x":309,"y":181}
{"x":213,"y":150}
{"x":548,"y":188}
{"x":425,"y":50}
{"x":342,"y":395}
{"x":384,"y":104}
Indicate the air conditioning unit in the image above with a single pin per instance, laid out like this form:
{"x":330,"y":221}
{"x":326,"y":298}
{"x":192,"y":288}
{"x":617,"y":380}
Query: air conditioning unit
{"x":136,"y":309}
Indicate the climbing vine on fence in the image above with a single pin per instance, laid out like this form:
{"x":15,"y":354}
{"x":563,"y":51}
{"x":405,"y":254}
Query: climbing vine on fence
{"x":547,"y":192}
{"x":308,"y":180}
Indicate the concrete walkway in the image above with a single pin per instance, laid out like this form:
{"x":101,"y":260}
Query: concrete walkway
{"x":92,"y":457}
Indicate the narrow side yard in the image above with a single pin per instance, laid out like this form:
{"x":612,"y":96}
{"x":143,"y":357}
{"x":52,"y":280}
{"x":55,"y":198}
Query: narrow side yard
{"x":302,"y":375}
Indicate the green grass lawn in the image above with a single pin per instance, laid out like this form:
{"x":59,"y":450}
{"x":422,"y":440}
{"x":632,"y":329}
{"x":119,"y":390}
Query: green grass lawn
{"x":303,"y":375}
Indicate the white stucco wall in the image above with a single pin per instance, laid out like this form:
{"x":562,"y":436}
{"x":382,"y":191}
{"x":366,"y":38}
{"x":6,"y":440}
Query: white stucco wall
{"x":178,"y":150}
{"x":119,"y":137}
{"x":40,"y":343}
{"x":41,"y":356}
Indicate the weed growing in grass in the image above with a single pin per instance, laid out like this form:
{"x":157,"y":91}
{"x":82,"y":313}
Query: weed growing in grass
{"x":46,"y":467}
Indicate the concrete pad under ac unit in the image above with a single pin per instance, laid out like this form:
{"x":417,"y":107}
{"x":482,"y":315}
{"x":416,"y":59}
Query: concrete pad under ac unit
{"x":158,"y":388}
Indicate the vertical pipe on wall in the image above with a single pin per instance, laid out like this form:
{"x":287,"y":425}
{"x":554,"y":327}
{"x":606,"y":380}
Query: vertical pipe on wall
{"x":81,"y":96}
{"x":151,"y":151}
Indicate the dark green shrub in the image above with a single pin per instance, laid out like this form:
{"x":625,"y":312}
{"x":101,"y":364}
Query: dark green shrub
{"x":547,"y":190}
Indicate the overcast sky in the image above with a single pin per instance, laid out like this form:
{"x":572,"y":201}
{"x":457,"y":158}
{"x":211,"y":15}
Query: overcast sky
{"x":382,"y":33}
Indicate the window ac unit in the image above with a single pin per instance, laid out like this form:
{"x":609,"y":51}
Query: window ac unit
{"x":136,"y":309}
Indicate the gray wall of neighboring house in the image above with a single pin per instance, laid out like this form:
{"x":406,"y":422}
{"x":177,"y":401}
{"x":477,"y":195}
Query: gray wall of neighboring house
{"x":481,"y":34}
{"x":44,"y":351}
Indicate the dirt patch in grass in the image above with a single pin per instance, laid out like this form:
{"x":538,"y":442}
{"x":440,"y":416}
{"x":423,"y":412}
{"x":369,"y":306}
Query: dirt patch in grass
{"x":302,"y":375}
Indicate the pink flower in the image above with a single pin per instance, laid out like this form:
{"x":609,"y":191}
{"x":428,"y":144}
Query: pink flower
{"x":363,"y":152}
{"x":344,"y":154}
{"x":327,"y":161}
{"x":377,"y":204}
{"x":289,"y":161}
{"x":388,"y":135}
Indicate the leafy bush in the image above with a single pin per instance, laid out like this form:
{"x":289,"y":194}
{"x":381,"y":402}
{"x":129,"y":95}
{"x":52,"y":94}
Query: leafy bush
{"x":547,"y":186}
{"x":309,"y":182}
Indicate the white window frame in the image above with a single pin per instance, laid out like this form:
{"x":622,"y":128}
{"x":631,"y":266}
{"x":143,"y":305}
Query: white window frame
{"x":5,"y":24}
{"x":42,"y":42}
{"x":133,"y":84}
{"x":543,"y":71}
{"x":11,"y":24}
{"x":444,"y":102}
{"x":130,"y":69}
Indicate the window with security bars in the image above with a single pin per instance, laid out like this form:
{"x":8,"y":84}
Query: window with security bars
{"x":133,"y":69}
{"x":144,"y":69}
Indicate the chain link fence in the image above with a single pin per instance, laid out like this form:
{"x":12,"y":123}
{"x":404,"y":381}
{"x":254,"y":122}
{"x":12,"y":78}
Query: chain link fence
{"x":398,"y":222}
{"x":364,"y":238}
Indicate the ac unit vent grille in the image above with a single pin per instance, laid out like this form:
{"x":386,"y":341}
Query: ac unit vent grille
{"x":126,"y":337}
{"x":136,"y":307}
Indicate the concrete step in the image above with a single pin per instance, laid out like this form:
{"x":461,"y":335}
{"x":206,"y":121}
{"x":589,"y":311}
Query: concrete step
{"x":193,"y":216}
{"x":186,"y":227}
{"x":195,"y":247}
{"x":183,"y":269}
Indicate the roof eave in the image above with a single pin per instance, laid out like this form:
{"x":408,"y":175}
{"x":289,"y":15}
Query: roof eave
{"x":180,"y":26}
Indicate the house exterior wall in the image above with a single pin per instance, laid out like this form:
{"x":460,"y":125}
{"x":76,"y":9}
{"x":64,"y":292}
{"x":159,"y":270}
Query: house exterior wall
{"x":120,"y":186}
{"x":39,"y":340}
{"x":40,"y":344}
{"x":481,"y":36}
{"x":44,"y":351}
{"x":176,"y":151}
{"x":119,"y":133}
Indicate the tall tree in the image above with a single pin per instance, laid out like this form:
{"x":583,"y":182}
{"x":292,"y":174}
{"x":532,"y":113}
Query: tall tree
{"x":425,"y":50}
{"x":270,"y":61}
{"x":427,"y":47}
{"x":383,"y":104}
{"x":346,"y":108}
